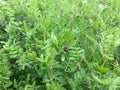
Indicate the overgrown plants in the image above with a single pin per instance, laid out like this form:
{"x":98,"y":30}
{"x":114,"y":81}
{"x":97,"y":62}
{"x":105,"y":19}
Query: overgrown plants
{"x":59,"y":44}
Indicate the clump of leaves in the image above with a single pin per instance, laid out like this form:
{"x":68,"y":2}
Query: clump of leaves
{"x":59,"y":45}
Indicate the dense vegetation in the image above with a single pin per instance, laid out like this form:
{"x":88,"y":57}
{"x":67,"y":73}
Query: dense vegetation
{"x":59,"y":44}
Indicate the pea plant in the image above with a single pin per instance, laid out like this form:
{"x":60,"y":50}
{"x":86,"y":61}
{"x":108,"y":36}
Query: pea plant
{"x":59,"y":44}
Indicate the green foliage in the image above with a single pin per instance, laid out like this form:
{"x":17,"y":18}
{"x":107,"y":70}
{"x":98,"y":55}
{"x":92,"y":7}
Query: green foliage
{"x":5,"y":81}
{"x":59,"y":44}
